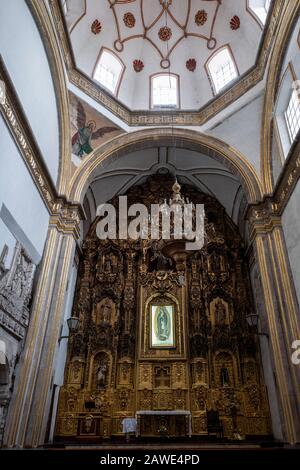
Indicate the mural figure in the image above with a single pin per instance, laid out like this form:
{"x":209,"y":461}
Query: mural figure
{"x":81,"y":141}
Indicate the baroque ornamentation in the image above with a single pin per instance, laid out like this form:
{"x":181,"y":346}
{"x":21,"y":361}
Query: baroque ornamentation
{"x":138,"y":65}
{"x":134,"y":351}
{"x":96,"y":27}
{"x":165,"y":33}
{"x":235,"y":23}
{"x":191,"y":65}
{"x":193,"y":118}
{"x":129,"y":20}
{"x":201,"y":17}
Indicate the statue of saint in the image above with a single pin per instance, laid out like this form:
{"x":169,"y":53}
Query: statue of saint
{"x":109,"y":263}
{"x":101,"y":374}
{"x":220,"y":313}
{"x":105,"y":313}
{"x":163,"y":324}
{"x":224,"y":376}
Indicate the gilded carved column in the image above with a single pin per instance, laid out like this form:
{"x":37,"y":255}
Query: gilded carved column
{"x":281,"y":308}
{"x":29,"y":410}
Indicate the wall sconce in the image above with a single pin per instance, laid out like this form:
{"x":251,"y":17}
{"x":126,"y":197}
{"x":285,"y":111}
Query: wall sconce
{"x":73,"y":325}
{"x":252,"y":320}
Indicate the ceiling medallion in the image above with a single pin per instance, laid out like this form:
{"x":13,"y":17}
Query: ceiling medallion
{"x":96,"y":27}
{"x":165,"y":33}
{"x":191,"y":64}
{"x":138,"y":65}
{"x":235,"y":23}
{"x":129,"y":20}
{"x":201,"y":17}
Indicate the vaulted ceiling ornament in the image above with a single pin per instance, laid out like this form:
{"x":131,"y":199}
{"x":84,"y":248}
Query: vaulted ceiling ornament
{"x":191,"y":64}
{"x":201,"y":17}
{"x":138,"y":65}
{"x":129,"y":20}
{"x":235,"y":23}
{"x":165,"y":33}
{"x":169,"y":24}
{"x":96,"y":27}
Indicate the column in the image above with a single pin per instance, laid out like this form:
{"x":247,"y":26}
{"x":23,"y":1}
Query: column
{"x":281,"y":309}
{"x":29,"y":408}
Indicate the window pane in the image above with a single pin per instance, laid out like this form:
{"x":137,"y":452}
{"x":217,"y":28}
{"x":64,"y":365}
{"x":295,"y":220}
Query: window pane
{"x":164,"y":91}
{"x":222,"y":69}
{"x":108,"y":71}
{"x":292,"y":116}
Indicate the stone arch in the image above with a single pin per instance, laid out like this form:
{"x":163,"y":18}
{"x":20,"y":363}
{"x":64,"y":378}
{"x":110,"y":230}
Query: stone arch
{"x":42,"y":18}
{"x":284,"y":33}
{"x":182,"y":138}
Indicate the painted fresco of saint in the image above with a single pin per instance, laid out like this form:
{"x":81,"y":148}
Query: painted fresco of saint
{"x":86,"y":132}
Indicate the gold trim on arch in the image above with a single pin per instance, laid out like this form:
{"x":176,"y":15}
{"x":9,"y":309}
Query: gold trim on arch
{"x":43,"y":21}
{"x":290,"y":13}
{"x":216,"y":148}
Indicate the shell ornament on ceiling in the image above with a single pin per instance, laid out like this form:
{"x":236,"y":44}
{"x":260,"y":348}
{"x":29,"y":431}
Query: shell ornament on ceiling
{"x":169,"y":28}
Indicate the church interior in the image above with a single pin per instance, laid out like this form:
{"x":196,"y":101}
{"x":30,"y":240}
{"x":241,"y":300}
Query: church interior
{"x":124,"y":340}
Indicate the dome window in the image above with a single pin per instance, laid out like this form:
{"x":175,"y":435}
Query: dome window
{"x":221,"y":69}
{"x":164,"y":91}
{"x":109,"y":70}
{"x":292,"y":115}
{"x":260,"y":9}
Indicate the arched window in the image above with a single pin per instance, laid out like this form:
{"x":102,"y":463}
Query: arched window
{"x":164,"y":91}
{"x":221,"y":69}
{"x":292,"y":115}
{"x":109,"y":70}
{"x":260,"y":9}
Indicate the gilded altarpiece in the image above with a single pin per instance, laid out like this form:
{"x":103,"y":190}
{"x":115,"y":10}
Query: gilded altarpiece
{"x":163,"y":329}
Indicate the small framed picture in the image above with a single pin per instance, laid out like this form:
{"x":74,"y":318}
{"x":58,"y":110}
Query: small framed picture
{"x":162,"y":328}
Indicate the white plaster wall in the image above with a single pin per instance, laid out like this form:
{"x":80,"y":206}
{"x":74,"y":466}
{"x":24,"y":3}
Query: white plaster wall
{"x":25,"y":58}
{"x":242,"y":131}
{"x":19,"y":194}
{"x":291,"y":228}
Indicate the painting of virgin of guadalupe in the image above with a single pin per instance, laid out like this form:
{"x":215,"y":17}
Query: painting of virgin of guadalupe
{"x":162,"y":326}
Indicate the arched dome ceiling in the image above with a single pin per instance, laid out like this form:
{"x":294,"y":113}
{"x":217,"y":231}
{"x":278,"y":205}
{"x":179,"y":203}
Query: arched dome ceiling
{"x":134,"y":30}
{"x":190,"y":167}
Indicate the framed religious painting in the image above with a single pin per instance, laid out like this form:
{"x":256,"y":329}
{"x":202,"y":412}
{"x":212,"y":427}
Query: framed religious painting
{"x":162,"y":326}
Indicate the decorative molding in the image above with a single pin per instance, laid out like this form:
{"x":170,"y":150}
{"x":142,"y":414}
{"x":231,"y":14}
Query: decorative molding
{"x":183,"y":138}
{"x":288,"y":18}
{"x":42,"y":17}
{"x":179,"y":118}
{"x":16,"y":121}
{"x":263,"y":216}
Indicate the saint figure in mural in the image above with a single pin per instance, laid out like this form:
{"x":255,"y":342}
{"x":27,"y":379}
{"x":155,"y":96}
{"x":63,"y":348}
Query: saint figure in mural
{"x":163,"y":322}
{"x":86,"y":132}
